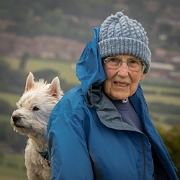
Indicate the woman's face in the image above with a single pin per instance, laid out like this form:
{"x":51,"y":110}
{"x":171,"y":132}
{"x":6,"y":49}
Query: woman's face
{"x":121,"y":82}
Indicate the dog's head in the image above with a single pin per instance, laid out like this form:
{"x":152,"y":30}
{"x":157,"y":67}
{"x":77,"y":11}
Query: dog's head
{"x":35,"y":107}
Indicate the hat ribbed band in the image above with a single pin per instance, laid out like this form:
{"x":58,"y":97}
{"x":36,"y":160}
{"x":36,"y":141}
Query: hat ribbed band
{"x":128,"y":46}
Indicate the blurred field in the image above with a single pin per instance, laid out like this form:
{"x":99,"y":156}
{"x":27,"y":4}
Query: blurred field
{"x":10,"y":98}
{"x":164,"y":97}
{"x":12,"y":167}
{"x":160,"y":98}
{"x":66,"y":70}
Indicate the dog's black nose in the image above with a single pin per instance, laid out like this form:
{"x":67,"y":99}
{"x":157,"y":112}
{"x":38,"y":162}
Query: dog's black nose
{"x":15,"y":118}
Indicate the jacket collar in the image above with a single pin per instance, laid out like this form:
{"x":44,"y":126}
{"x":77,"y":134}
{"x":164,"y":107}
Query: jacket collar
{"x":105,"y":109}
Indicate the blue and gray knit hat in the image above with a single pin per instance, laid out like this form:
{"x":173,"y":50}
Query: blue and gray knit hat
{"x":121,"y":35}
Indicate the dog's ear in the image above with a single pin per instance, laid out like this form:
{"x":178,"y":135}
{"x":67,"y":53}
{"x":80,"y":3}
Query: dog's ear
{"x":29,"y":82}
{"x":55,"y":89}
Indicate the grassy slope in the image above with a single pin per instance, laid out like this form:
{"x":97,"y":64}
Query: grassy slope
{"x":66,"y":70}
{"x":12,"y":167}
{"x":10,"y":98}
{"x":9,"y":170}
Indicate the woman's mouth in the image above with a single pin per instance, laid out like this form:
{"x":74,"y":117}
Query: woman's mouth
{"x":121,"y":84}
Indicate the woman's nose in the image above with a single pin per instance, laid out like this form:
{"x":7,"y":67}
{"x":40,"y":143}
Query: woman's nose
{"x":123,"y":69}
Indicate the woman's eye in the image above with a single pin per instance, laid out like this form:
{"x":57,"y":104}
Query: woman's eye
{"x":133,"y":62}
{"x":35,"y":108}
{"x":115,"y":60}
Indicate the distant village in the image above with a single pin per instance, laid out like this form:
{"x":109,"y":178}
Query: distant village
{"x":46,"y":47}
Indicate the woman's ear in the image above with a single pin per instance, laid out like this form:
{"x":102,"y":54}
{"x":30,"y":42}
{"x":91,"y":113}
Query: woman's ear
{"x":142,"y":77}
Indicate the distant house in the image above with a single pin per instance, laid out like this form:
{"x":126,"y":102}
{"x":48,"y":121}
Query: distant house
{"x":161,"y":70}
{"x":41,"y":46}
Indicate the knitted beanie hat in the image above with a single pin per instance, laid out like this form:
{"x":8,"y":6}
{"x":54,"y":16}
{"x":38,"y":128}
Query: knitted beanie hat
{"x":121,"y":35}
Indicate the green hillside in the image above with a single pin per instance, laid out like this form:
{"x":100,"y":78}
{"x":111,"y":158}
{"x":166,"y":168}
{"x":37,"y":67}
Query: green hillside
{"x":12,"y":167}
{"x":162,"y":99}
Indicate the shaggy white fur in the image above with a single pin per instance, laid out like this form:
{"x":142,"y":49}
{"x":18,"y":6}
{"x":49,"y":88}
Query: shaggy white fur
{"x":30,"y":119}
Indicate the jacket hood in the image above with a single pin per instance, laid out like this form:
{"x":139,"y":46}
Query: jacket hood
{"x":89,"y":69}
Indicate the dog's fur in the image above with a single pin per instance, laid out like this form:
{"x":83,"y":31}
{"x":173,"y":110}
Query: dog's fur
{"x":30,"y":119}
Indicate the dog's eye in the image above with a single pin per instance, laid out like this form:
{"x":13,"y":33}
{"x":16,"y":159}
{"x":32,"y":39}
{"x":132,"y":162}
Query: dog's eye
{"x":35,"y":108}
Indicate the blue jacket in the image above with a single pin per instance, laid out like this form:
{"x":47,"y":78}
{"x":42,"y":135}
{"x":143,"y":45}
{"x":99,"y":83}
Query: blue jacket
{"x":87,"y":138}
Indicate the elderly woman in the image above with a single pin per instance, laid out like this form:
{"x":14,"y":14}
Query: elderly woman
{"x":101,"y":129}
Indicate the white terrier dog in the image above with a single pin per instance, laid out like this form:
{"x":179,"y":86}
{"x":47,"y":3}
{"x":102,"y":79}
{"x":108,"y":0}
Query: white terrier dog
{"x":30,"y":119}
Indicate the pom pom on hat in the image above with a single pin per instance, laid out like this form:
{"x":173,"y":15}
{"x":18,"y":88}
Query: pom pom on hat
{"x":121,"y":35}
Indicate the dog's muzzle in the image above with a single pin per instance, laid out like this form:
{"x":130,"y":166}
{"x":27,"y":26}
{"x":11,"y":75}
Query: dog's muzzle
{"x":16,"y":120}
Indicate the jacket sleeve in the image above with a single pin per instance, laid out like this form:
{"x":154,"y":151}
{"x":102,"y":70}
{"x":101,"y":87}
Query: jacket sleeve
{"x":67,"y":147}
